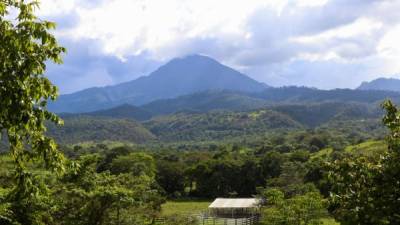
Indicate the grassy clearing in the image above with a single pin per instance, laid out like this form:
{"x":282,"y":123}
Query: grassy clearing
{"x":192,"y":207}
{"x":109,"y":144}
{"x":329,"y":221}
{"x":183,"y":207}
{"x":368,"y":148}
{"x":323,"y":153}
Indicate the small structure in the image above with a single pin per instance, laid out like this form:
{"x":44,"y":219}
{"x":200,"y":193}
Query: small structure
{"x":235,"y":208}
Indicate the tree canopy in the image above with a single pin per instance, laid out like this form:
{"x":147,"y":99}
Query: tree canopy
{"x":26,"y":45}
{"x":365,"y":190}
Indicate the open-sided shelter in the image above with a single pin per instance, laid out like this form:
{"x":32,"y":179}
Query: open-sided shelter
{"x":235,"y":207}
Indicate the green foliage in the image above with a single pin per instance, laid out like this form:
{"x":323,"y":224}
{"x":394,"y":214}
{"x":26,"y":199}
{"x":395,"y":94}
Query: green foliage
{"x":78,"y":129}
{"x":205,"y":102}
{"x":181,"y":220}
{"x":315,"y":114}
{"x":86,"y":197}
{"x":26,"y":45}
{"x":306,"y":209}
{"x":137,"y":164}
{"x":171,"y":177}
{"x":365,"y":190}
{"x":217,"y":125}
{"x":171,"y":208}
{"x":218,"y":178}
{"x":369,"y":148}
{"x":271,"y":164}
{"x":314,"y":125}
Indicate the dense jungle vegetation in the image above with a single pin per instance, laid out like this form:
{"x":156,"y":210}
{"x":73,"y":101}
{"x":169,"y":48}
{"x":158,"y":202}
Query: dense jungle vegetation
{"x":331,"y":156}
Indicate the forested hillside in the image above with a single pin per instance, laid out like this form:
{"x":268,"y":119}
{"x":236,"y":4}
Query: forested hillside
{"x":359,"y":120}
{"x":315,"y":114}
{"x":310,"y":95}
{"x":386,"y":84}
{"x":124,"y":111}
{"x":188,"y":126}
{"x":206,"y":101}
{"x":91,"y":128}
{"x":158,"y":149}
{"x":180,"y":76}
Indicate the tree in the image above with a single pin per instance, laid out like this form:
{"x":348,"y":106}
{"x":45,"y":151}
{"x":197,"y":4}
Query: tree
{"x":171,"y":177}
{"x":365,"y":190}
{"x":26,"y":45}
{"x":136,"y":164}
{"x":271,"y":164}
{"x":304,"y":209}
{"x":85,"y":197}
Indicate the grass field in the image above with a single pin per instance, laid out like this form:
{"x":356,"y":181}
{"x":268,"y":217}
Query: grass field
{"x":329,"y":221}
{"x":183,"y":207}
{"x":192,"y":207}
{"x":323,"y":153}
{"x":368,"y":148}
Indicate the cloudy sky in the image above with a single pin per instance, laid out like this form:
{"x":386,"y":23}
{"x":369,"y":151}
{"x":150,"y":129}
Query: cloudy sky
{"x":320,"y":43}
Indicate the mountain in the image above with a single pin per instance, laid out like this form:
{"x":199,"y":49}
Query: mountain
{"x":297,"y":101}
{"x":204,"y":102}
{"x":316,"y":114}
{"x":124,"y":111}
{"x":387,"y":84}
{"x":180,"y":76}
{"x":227,"y":115}
{"x":311,"y":95}
{"x":186,"y":126}
{"x":81,"y":128}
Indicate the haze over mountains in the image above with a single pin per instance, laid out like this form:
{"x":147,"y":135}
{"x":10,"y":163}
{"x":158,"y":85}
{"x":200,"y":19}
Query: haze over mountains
{"x":180,"y":76}
{"x":199,"y":83}
{"x":197,"y":98}
{"x":387,"y":84}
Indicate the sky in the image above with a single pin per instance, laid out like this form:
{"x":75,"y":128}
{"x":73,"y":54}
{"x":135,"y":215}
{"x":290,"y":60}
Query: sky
{"x":318,"y":43}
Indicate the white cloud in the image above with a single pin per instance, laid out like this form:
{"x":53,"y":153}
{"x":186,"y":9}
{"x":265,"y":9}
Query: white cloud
{"x":389,"y":49}
{"x":269,"y":39}
{"x":360,"y":27}
{"x":127,"y":27}
{"x":56,"y":7}
{"x":311,"y":3}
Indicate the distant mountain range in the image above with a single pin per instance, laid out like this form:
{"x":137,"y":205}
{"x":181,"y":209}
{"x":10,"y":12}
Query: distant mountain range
{"x":224,"y":100}
{"x":178,"y":77}
{"x":204,"y":124}
{"x":202,"y":84}
{"x":83,"y":128}
{"x":198,"y":99}
{"x":123,"y":111}
{"x":386,"y":84}
{"x":206,"y":101}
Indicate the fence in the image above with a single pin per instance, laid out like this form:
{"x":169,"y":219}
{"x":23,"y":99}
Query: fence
{"x":229,"y":221}
{"x":206,"y":220}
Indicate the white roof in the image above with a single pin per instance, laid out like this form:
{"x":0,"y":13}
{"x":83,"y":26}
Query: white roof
{"x":234,"y":203}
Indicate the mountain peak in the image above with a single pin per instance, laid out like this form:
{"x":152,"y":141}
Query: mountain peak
{"x":384,"y":84}
{"x":195,"y":61}
{"x":180,"y":76}
{"x":196,"y":57}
